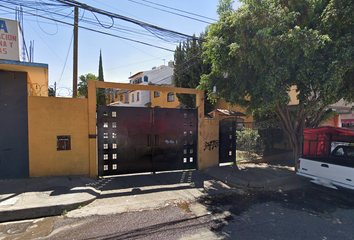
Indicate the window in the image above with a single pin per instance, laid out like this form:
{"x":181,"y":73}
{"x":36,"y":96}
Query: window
{"x":350,"y":152}
{"x":116,"y":95}
{"x":170,"y":97}
{"x":156,"y":94}
{"x":146,"y":79}
{"x":63,"y":143}
{"x":138,"y":80}
{"x":109,"y":97}
{"x":339,"y":152}
{"x":121,"y":97}
{"x":138,"y":96}
{"x":132,"y":97}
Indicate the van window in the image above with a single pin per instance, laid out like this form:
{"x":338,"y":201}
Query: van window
{"x":339,"y":152}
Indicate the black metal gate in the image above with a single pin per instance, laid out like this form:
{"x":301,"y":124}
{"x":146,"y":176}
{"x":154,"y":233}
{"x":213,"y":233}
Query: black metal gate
{"x":132,"y":139}
{"x":13,"y":125}
{"x":227,"y":140}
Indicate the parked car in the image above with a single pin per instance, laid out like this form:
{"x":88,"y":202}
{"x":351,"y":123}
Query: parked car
{"x":333,"y":169}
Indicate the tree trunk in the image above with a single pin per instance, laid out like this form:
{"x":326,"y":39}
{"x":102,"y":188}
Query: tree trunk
{"x":296,"y":145}
{"x":297,"y":152}
{"x":293,"y":126}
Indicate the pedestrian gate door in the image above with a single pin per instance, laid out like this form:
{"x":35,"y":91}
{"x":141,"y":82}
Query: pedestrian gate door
{"x":227,"y":140}
{"x":132,"y":139}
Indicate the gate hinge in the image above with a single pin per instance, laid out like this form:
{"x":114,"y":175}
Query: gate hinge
{"x":92,"y":136}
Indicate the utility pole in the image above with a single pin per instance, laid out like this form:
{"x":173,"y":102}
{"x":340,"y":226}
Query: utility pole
{"x":55,"y":89}
{"x":76,"y":27}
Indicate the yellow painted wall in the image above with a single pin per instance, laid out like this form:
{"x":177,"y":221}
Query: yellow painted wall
{"x":116,"y":99}
{"x":221,"y":104}
{"x":52,"y":117}
{"x":162,"y":101}
{"x":208,"y":131}
{"x":293,"y":96}
{"x":37,"y":78}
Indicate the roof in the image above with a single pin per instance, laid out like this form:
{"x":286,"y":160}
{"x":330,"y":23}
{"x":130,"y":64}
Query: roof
{"x":160,"y":75}
{"x":228,"y":112}
{"x":330,"y":130}
{"x":136,"y":74}
{"x":28,"y":64}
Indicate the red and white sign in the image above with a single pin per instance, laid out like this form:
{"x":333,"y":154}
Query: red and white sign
{"x":347,"y":120}
{"x":9,"y":40}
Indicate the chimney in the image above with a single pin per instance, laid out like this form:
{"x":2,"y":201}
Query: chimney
{"x":170,"y":64}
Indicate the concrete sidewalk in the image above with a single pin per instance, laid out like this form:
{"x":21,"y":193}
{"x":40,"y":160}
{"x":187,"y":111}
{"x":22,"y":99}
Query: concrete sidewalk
{"x":268,"y":176}
{"x":39,"y":197}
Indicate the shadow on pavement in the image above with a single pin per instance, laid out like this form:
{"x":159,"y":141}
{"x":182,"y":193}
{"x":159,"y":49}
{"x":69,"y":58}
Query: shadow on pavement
{"x":125,"y":185}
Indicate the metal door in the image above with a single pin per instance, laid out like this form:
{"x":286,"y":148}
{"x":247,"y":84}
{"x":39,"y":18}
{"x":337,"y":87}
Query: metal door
{"x":124,"y":140}
{"x":227,"y":140}
{"x":14,"y":161}
{"x":175,"y":139}
{"x":132,"y":139}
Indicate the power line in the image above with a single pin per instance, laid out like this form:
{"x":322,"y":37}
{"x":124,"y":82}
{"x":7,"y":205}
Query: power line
{"x":109,"y":34}
{"x":111,"y":7}
{"x":180,"y":10}
{"x":66,"y":58}
{"x":133,"y":64}
{"x":170,"y":12}
{"x":145,"y":25}
{"x":154,"y":33}
{"x":89,"y":21}
{"x":44,"y":42}
{"x":139,"y":32}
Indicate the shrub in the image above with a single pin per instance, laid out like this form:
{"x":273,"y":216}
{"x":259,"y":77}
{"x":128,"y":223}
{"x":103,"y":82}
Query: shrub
{"x":247,"y":140}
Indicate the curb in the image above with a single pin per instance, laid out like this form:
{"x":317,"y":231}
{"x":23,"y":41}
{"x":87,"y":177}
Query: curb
{"x":29,"y":213}
{"x":276,"y":182}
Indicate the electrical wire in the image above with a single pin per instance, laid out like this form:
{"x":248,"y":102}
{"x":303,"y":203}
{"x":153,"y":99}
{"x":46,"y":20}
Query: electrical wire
{"x":57,"y":28}
{"x":134,"y":63}
{"x":170,"y":12}
{"x":66,"y":58}
{"x":162,"y":36}
{"x":44,"y":42}
{"x":179,"y":10}
{"x":111,"y":7}
{"x":101,"y":23}
{"x":90,"y":29}
{"x":155,"y":29}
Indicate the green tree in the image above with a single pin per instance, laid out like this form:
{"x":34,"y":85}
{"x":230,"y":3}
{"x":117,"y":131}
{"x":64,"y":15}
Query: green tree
{"x":264,"y":48}
{"x":338,"y":22}
{"x":188,"y":69}
{"x":51,"y":92}
{"x":224,"y":6}
{"x":82,"y":86}
{"x":101,"y":92}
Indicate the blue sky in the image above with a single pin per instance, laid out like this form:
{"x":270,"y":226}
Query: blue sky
{"x":121,"y":58}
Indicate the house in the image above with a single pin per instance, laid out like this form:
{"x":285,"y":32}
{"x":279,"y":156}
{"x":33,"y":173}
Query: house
{"x":345,"y":116}
{"x":159,"y":76}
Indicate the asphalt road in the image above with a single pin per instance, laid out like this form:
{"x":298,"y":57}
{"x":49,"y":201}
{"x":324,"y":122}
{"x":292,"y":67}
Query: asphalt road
{"x":309,"y":213}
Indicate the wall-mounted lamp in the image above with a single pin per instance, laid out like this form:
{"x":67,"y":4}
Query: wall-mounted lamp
{"x":214,"y":94}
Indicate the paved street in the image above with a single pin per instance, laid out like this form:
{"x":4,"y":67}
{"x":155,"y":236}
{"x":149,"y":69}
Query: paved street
{"x":308,"y":213}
